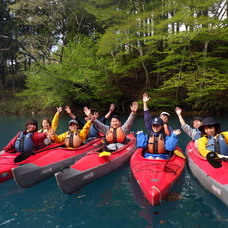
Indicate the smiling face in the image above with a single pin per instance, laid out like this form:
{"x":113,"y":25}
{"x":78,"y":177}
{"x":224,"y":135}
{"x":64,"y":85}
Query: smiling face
{"x":46,"y":124}
{"x":31,"y":127}
{"x":196,"y":123}
{"x":156,"y":127}
{"x":115,"y":123}
{"x":73,"y":127}
{"x":209,"y":130}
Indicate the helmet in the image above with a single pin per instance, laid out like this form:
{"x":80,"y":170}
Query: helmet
{"x":157,"y":120}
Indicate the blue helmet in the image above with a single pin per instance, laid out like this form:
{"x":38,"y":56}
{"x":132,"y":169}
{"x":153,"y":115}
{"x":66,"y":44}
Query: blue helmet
{"x":157,"y":120}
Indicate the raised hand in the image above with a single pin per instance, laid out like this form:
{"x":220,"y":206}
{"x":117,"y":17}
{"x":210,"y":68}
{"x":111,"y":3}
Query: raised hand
{"x":59,"y":109}
{"x":94,"y":116}
{"x":112,"y":107}
{"x":87,"y":111}
{"x":134,"y":107}
{"x":146,"y":98}
{"x":68,"y":109}
{"x":178,"y":110}
{"x":177,"y":132}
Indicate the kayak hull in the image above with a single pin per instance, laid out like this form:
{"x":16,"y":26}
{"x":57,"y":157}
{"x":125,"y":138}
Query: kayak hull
{"x":92,"y":167}
{"x":213,"y":179}
{"x":45,"y":167}
{"x":155,"y":177}
{"x":7,"y":161}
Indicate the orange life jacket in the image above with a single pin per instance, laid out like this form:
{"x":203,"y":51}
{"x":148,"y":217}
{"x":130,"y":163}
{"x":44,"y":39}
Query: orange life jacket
{"x":115,"y":135}
{"x":73,"y":140}
{"x":156,"y":145}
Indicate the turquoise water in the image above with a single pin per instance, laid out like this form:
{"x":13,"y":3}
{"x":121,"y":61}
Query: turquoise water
{"x":112,"y":201}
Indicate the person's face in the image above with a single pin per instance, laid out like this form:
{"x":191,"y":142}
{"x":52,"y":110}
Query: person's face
{"x":31,"y":127}
{"x":45,"y":124}
{"x":156,"y":127}
{"x":73,"y":127}
{"x":115,"y":123}
{"x":196,"y":123}
{"x":209,"y":130}
{"x":165,"y":118}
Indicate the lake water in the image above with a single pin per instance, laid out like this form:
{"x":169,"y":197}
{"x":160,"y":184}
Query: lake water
{"x":110,"y":202}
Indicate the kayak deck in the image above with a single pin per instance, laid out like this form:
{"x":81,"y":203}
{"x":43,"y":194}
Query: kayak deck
{"x":156,"y":176}
{"x":92,"y":167}
{"x":213,"y":179}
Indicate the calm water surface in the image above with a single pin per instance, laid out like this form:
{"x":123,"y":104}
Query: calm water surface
{"x":112,"y":201}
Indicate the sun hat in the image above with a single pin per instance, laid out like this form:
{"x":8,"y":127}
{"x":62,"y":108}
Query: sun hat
{"x":157,"y":120}
{"x":209,"y":121}
{"x":73,"y":121}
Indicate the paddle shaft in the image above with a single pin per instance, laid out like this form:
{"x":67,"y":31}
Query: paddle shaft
{"x":23,"y":156}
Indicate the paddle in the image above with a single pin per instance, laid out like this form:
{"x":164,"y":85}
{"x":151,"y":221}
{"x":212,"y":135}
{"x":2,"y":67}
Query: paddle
{"x":214,"y":160}
{"x":104,"y":154}
{"x":179,"y":154}
{"x":25,"y":155}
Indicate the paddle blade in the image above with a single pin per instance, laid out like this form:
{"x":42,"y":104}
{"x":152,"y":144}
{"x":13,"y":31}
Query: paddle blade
{"x":22,"y":157}
{"x":104,"y":154}
{"x":214,"y":160}
{"x":179,"y":154}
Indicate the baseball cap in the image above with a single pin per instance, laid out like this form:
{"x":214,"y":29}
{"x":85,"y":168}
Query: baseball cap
{"x":73,"y":121}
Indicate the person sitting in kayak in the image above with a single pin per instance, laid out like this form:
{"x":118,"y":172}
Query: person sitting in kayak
{"x":160,"y":145}
{"x":148,"y":118}
{"x":115,"y":134}
{"x":75,"y":137}
{"x":94,"y":132}
{"x":194,"y":132}
{"x":213,"y":139}
{"x":27,"y":140}
{"x":49,"y":126}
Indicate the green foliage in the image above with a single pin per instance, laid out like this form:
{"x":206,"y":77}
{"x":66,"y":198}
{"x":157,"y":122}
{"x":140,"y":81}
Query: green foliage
{"x":176,"y":50}
{"x":80,"y":77}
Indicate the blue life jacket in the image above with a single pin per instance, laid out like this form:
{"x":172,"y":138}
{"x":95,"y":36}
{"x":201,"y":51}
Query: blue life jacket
{"x":24,"y":142}
{"x":198,"y":134}
{"x":217,"y":145}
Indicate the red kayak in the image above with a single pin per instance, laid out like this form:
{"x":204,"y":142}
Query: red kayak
{"x":55,"y":160}
{"x":7,"y":161}
{"x":93,"y":166}
{"x":214,"y":176}
{"x":156,"y":176}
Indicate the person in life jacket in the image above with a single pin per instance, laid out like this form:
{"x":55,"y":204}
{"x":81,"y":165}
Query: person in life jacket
{"x":94,"y":132}
{"x":194,"y":132}
{"x":75,"y":137}
{"x":27,"y":140}
{"x":148,"y":118}
{"x":115,"y":134}
{"x":213,"y":139}
{"x":160,"y":145}
{"x":49,"y":126}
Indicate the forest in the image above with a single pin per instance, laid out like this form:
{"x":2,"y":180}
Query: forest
{"x":97,"y":52}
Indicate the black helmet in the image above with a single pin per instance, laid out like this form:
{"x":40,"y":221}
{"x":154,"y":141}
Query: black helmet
{"x":158,"y":121}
